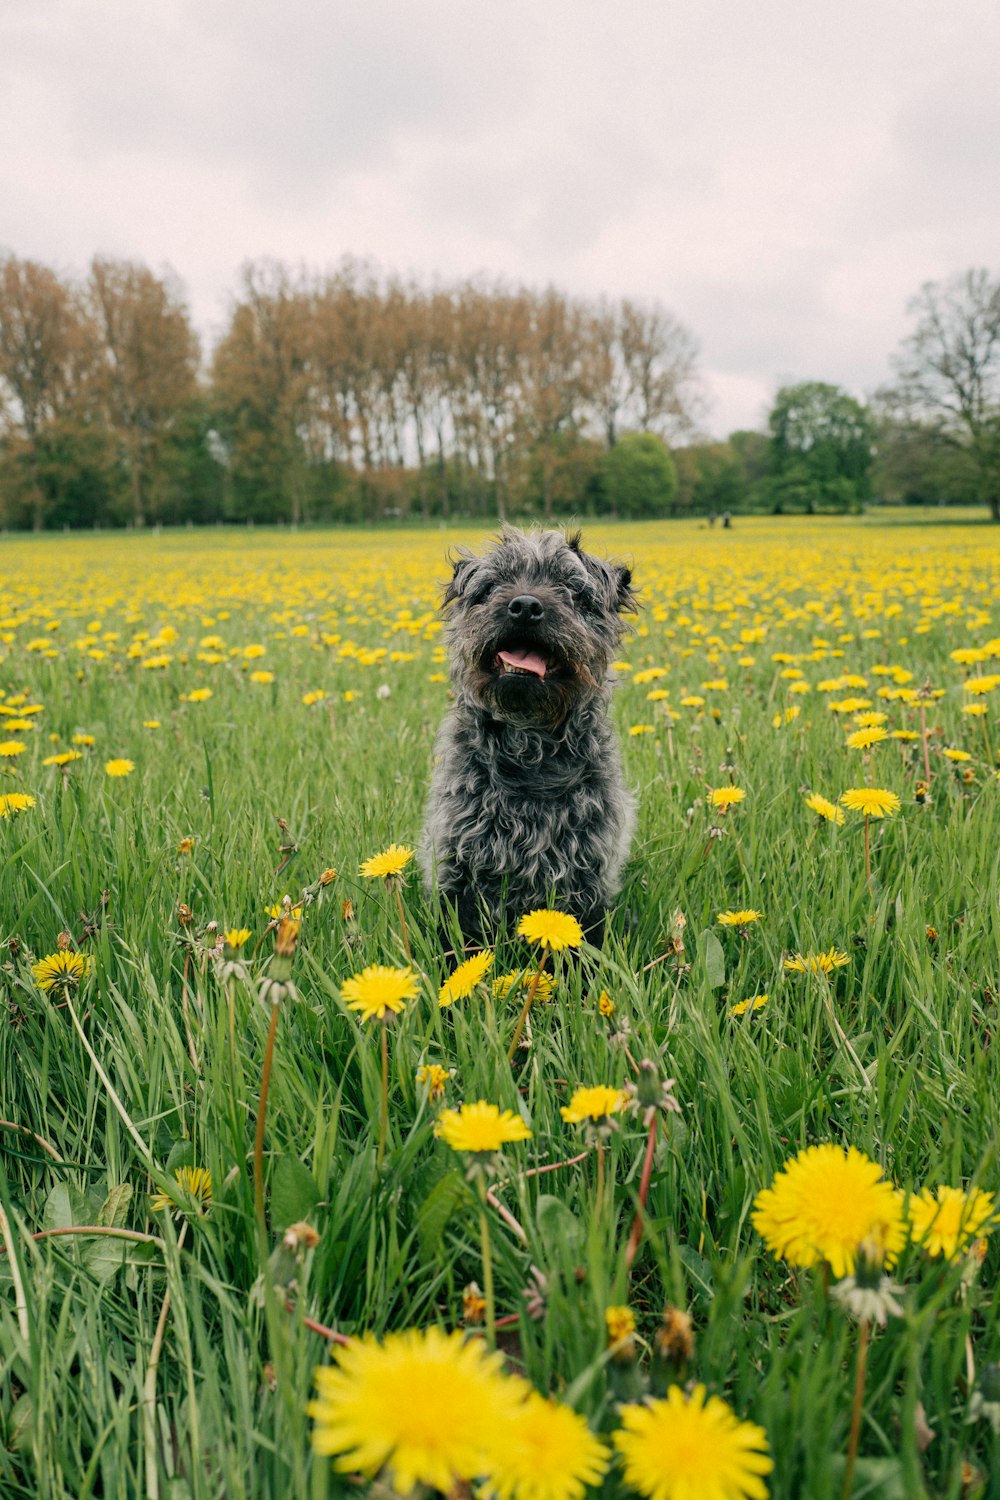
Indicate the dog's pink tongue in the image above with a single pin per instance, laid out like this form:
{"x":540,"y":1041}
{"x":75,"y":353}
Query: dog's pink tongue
{"x":528,"y":661}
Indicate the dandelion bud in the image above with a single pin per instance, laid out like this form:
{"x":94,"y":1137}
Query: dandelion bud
{"x":328,"y":877}
{"x":347,"y":910}
{"x":287,"y":936}
{"x":673,"y":1346}
{"x":648,"y":1085}
{"x":620,"y":1323}
{"x":185,"y":916}
{"x":473,"y":1304}
{"x":300,"y":1236}
{"x":64,"y":940}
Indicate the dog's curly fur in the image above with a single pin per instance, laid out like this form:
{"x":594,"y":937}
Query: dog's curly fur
{"x":528,"y":804}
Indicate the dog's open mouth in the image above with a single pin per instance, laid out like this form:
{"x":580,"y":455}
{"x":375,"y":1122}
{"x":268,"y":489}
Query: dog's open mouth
{"x":525,"y":659}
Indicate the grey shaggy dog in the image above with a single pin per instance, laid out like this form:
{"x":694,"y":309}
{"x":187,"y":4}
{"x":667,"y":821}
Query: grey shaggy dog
{"x":528,"y":804}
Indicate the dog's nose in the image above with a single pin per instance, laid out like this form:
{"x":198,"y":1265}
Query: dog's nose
{"x":526,"y":609}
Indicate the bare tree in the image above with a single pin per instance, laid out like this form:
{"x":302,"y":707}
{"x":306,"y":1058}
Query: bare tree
{"x":659,"y":358}
{"x":149,"y":360}
{"x":260,"y":378}
{"x":555,"y":388}
{"x":949,"y":371}
{"x":46,"y":347}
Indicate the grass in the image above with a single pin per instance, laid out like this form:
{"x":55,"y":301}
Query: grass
{"x":162,"y":1065}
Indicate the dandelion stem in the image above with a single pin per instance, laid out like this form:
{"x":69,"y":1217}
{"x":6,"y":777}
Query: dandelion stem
{"x":647,"y":1172}
{"x":868,"y":853}
{"x":383,"y":1119}
{"x":402,"y":920}
{"x":231,"y":999}
{"x":600,"y":1177}
{"x":258,"y":1150}
{"x":859,"y":1395}
{"x":923,"y":741}
{"x":484,"y":1235}
{"x":529,"y":997}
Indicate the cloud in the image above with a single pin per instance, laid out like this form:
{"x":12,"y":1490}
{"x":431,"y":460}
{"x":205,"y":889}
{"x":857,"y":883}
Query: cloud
{"x":782,"y":178}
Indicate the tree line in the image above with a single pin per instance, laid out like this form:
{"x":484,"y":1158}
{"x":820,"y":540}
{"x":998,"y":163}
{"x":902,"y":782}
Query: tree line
{"x":355,"y":395}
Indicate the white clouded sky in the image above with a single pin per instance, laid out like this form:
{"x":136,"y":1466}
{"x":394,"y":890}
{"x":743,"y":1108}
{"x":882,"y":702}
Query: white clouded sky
{"x":782,"y":175}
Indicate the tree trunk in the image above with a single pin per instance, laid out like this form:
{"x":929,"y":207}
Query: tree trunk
{"x":137,"y":497}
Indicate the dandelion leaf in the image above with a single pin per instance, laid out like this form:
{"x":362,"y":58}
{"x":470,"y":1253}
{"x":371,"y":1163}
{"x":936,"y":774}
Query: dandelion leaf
{"x":437,"y":1208}
{"x":713,"y":958}
{"x":294,"y":1193}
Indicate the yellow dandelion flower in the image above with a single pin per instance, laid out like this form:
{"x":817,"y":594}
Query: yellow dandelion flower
{"x":866,"y":739}
{"x":725,"y":797}
{"x":151,"y":724}
{"x":61,"y":971}
{"x":435,"y":1078}
{"x":460,"y":984}
{"x":236,"y":936}
{"x":756,"y":1002}
{"x":815,"y":963}
{"x":194,"y":1183}
{"x":199,"y":695}
{"x":946,"y":1221}
{"x":692,"y":1446}
{"x":824,"y":1203}
{"x":692,"y":700}
{"x":379,"y":989}
{"x":503,"y":984}
{"x":423,"y":1406}
{"x":551,"y":929}
{"x":638,"y":729}
{"x":620,"y":1323}
{"x":874,"y":802}
{"x":906,"y":735}
{"x":64,"y":758}
{"x":957,"y":756}
{"x":544,"y":1451}
{"x":10,"y":748}
{"x":594,"y":1103}
{"x":824,"y":809}
{"x":481,"y":1127}
{"x":119,"y":767}
{"x":742,"y":918}
{"x":392,"y":861}
{"x":15,"y":802}
{"x":605,"y":1004}
{"x":870,"y":720}
{"x":263,"y":679}
{"x":316,"y":696}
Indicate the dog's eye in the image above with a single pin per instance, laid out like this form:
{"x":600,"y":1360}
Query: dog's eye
{"x":478,"y":590}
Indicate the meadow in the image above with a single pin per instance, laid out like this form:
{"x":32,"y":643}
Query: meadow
{"x":216,"y":1176}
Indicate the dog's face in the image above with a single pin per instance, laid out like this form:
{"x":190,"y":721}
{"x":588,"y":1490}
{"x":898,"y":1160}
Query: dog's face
{"x":534,"y":624}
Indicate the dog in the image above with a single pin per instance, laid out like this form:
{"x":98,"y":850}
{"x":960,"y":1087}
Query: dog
{"x":528,"y":805}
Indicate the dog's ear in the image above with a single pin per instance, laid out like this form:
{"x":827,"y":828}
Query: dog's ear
{"x":627,"y":601}
{"x":454,"y":585}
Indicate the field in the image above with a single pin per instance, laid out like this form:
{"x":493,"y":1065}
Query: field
{"x":204,"y":725}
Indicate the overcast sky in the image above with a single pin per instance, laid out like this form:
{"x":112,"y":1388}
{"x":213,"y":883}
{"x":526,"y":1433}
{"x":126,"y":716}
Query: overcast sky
{"x":782,"y":174}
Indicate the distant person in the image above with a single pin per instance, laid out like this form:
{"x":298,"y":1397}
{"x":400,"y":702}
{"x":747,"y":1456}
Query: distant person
{"x":727,"y":520}
{"x":711,"y":518}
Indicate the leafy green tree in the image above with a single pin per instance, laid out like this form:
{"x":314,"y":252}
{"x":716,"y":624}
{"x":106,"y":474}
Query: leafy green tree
{"x":640,"y":477}
{"x":822,"y":448}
